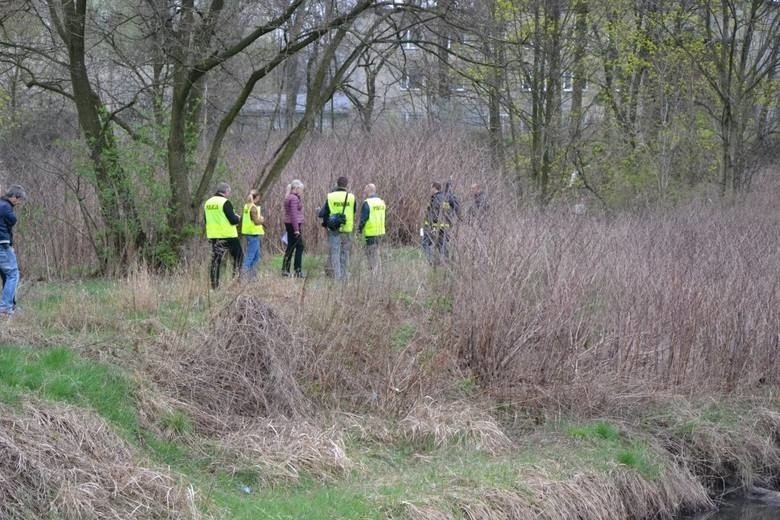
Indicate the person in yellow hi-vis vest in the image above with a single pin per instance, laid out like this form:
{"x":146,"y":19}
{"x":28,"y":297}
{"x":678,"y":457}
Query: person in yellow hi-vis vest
{"x":338,"y":216}
{"x":222,"y":232}
{"x":252,"y":228}
{"x":372,"y":224}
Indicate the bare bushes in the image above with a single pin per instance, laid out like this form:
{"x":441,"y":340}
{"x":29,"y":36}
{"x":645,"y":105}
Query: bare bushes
{"x":684,"y":300}
{"x":380,"y":341}
{"x":402,"y":162}
{"x":57,"y":461}
{"x":246,"y":366}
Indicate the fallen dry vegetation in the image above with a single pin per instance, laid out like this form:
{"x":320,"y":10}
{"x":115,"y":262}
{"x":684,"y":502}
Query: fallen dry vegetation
{"x":637,"y":319}
{"x":63,"y":462}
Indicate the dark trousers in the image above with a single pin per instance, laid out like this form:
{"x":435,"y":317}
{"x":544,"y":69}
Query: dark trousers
{"x":294,"y":245}
{"x":435,"y":244}
{"x":219,"y":246}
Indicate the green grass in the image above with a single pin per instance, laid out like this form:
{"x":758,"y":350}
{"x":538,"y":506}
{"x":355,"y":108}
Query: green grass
{"x":176,"y":422}
{"x":313,"y":265}
{"x":403,"y":335}
{"x":310,"y":501}
{"x":58,"y":374}
{"x":601,"y":445}
{"x":598,"y":430}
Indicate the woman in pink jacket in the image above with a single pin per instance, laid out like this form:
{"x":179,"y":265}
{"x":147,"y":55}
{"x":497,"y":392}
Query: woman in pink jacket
{"x":293,"y":220}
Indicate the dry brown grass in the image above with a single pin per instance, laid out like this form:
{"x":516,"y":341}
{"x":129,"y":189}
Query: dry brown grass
{"x":62,"y":462}
{"x":247,"y":365}
{"x":281,"y":450}
{"x":724,"y":450}
{"x":442,"y":424}
{"x":379,"y":342}
{"x":617,"y":495}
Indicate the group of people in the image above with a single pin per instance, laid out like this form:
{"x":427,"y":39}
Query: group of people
{"x":338,"y":215}
{"x":222,"y":230}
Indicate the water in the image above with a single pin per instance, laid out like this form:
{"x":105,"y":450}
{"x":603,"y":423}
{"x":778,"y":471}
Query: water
{"x":741,"y":509}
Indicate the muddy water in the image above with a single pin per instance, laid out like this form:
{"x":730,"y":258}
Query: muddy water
{"x":741,"y":509}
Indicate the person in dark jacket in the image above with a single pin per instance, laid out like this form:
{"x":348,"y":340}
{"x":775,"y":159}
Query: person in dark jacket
{"x":9,"y":268}
{"x":222,"y":231}
{"x":443,"y":210}
{"x":293,"y":222}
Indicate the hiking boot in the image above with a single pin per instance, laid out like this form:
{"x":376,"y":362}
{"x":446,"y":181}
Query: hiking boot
{"x":299,"y":274}
{"x":285,"y":274}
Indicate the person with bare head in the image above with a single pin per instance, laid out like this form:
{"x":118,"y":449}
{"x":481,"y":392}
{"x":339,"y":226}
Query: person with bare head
{"x":252,"y":228}
{"x":9,"y":268}
{"x":338,"y":217}
{"x":293,"y":222}
{"x":222,"y":232}
{"x":372,"y":224}
{"x":443,"y":210}
{"x":479,"y":206}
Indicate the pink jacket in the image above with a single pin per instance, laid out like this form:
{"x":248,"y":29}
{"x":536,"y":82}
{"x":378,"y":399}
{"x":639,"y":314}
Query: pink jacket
{"x":293,"y":211}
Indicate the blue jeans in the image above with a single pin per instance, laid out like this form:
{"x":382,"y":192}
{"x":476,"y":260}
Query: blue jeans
{"x":10,"y":271}
{"x":254,"y":244}
{"x":340,"y":244}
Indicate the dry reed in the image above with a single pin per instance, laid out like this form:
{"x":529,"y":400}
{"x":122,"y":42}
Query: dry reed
{"x":454,"y":422}
{"x":681,"y":300}
{"x":246,"y":366}
{"x":281,"y":450}
{"x":63,"y":462}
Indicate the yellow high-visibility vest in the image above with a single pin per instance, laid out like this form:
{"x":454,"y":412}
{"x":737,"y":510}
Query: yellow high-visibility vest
{"x":217,"y":223}
{"x":375,"y":225}
{"x":336,"y":205}
{"x":247,"y":226}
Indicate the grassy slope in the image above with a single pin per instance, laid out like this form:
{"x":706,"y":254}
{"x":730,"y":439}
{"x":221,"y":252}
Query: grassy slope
{"x":389,"y":475}
{"x":389,"y":479}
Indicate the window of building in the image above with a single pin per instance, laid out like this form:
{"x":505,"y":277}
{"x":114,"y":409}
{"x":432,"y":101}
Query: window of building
{"x":411,"y":37}
{"x":567,"y":81}
{"x":412,"y":78}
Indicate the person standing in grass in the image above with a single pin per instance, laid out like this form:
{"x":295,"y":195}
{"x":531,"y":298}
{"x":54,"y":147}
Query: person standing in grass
{"x":479,"y":205}
{"x":440,"y":216}
{"x":339,"y":202}
{"x":9,"y":268}
{"x":252,"y":228}
{"x":372,"y":224}
{"x":222,"y":232}
{"x":293,"y":222}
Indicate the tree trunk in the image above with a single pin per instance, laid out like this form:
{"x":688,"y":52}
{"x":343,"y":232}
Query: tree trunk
{"x":123,"y":234}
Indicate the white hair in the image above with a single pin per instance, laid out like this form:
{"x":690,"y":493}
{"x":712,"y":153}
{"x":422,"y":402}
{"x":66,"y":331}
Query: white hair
{"x":295,"y":184}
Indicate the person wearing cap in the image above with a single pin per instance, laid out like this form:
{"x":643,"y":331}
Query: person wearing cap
{"x":9,"y":268}
{"x":222,"y":231}
{"x":372,"y":224}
